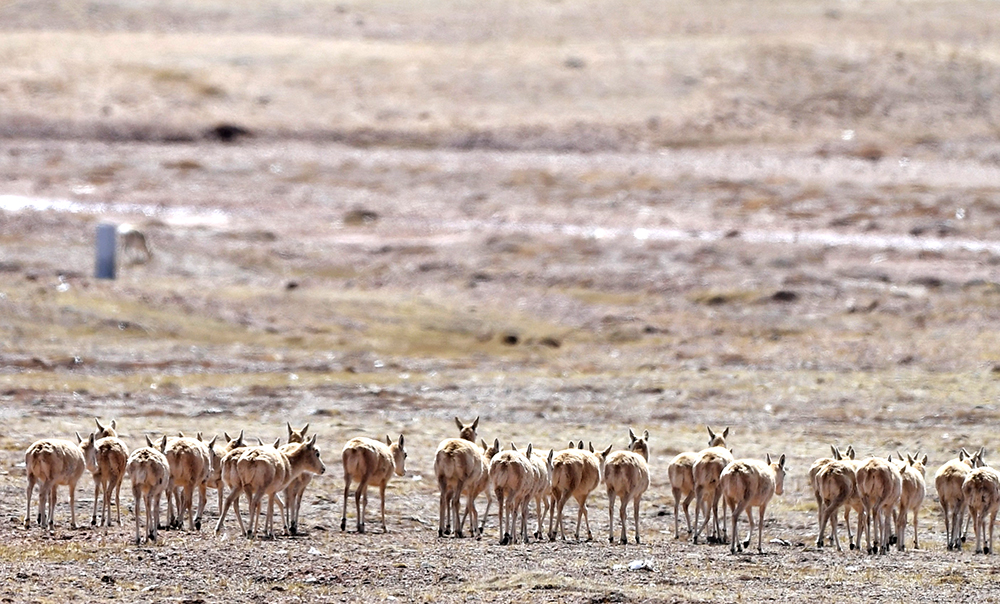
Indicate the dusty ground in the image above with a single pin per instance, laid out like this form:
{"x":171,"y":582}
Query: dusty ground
{"x":568,"y":218}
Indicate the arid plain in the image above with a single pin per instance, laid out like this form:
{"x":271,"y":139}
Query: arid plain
{"x":567,"y":217}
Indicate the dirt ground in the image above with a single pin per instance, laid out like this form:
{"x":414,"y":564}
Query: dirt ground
{"x":569,"y":218}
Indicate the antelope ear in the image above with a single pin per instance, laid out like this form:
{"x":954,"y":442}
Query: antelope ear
{"x":781,"y":460}
{"x":90,"y":441}
{"x":527,"y":452}
{"x":239,"y":439}
{"x":475,"y":423}
{"x":400,"y":441}
{"x":496,"y":444}
{"x":305,"y":429}
{"x":551,"y":457}
{"x":631,"y":435}
{"x":289,"y":428}
{"x":513,"y":447}
{"x":388,"y":440}
{"x":482,"y":442}
{"x":211,"y":443}
{"x":78,"y":439}
{"x":277,"y":443}
{"x":710,"y":433}
{"x":645,"y":435}
{"x":312,"y":441}
{"x":163,"y":444}
{"x":607,"y":451}
{"x":149,"y":443}
{"x":591,"y":446}
{"x":200,"y":437}
{"x":98,"y":422}
{"x":924,"y":460}
{"x":725,"y":433}
{"x":226,"y":436}
{"x":572,"y":445}
{"x":114,"y":425}
{"x":458,"y":423}
{"x":768,"y":457}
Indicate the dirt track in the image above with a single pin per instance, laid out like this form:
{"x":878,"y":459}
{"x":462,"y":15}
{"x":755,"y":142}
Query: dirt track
{"x":569,"y":219}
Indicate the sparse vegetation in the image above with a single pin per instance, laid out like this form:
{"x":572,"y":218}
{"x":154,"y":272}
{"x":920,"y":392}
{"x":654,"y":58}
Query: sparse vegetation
{"x":568,"y":217}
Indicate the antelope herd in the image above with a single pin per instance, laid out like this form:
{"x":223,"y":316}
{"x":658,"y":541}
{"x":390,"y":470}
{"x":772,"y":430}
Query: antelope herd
{"x":882,"y":492}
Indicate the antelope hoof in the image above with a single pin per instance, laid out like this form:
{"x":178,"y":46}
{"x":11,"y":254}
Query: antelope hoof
{"x":986,"y":550}
{"x":343,"y":524}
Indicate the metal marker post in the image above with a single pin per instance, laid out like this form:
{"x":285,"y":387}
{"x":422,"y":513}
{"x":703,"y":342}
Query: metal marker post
{"x":106,"y":234}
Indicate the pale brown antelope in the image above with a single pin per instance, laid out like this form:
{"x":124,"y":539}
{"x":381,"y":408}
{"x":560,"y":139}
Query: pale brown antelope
{"x":879,"y":486}
{"x":747,"y":484}
{"x":52,"y":462}
{"x":468,"y":431}
{"x":230,"y":478}
{"x":190,"y":466}
{"x":948,"y":482}
{"x":512,"y":477}
{"x":834,"y":483}
{"x":216,"y":452}
{"x":105,"y":431}
{"x":681,"y":473}
{"x":267,"y":470}
{"x":626,"y":476}
{"x":297,"y":487}
{"x":150,"y":473}
{"x":106,"y":459}
{"x":458,"y":463}
{"x":911,"y":496}
{"x":135,"y":248}
{"x":474,"y":488}
{"x":982,"y":495}
{"x":814,"y":470}
{"x":576,"y":472}
{"x":541,"y":490}
{"x":370,"y":462}
{"x":706,"y":471}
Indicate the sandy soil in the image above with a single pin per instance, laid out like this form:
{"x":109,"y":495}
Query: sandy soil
{"x":567,"y":218}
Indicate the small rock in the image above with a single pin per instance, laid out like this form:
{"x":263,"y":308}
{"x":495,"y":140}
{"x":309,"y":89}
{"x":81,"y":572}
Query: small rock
{"x":641,"y":565}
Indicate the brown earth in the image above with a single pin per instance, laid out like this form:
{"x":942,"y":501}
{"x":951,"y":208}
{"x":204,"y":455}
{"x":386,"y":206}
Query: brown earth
{"x":569,"y":218}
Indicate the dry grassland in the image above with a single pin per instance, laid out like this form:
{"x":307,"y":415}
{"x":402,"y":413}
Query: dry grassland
{"x":567,"y":217}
